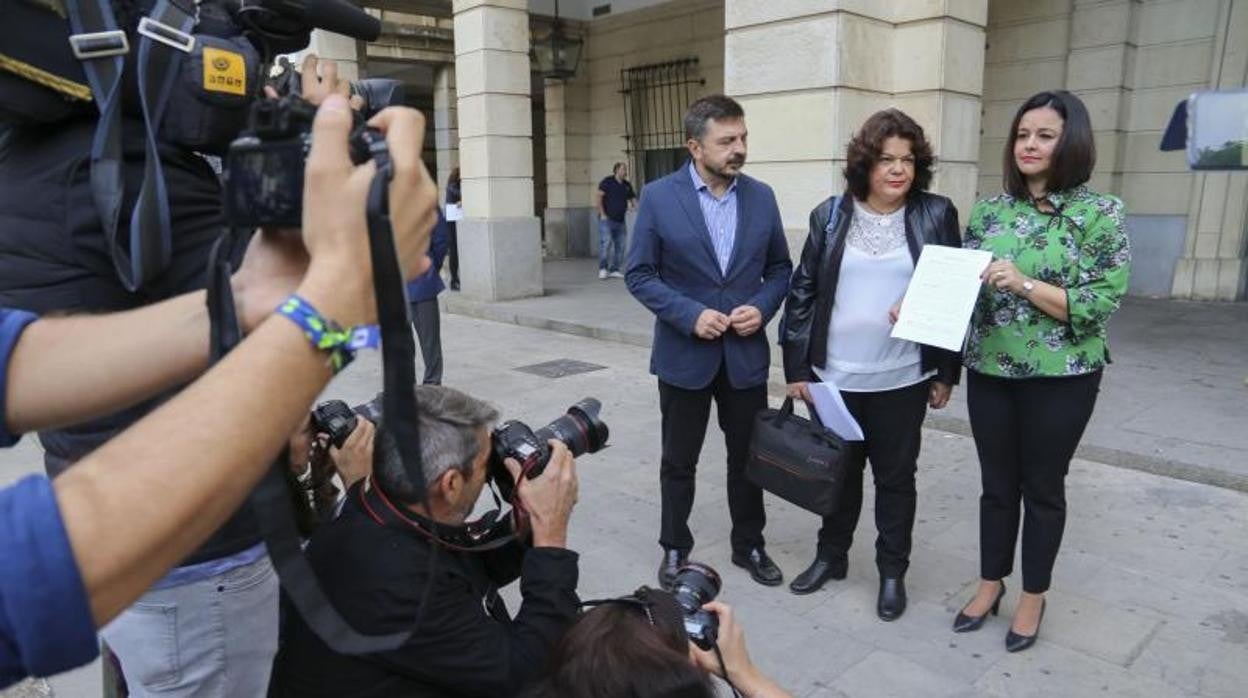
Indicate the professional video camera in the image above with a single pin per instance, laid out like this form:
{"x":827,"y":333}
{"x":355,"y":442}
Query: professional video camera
{"x":188,"y":70}
{"x":264,"y":166}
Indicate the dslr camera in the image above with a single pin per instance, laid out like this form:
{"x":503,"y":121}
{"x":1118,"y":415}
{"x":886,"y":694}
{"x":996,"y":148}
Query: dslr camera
{"x":338,"y":420}
{"x":580,"y":429}
{"x":695,"y":586}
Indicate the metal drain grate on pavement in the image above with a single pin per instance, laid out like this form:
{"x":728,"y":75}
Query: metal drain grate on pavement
{"x":560,"y":368}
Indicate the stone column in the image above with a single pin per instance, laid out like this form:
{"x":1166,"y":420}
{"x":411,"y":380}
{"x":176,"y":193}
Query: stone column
{"x":938,"y":78}
{"x":1099,"y":71}
{"x":809,"y":73}
{"x":1214,"y":265}
{"x":570,"y":220}
{"x":500,"y":237}
{"x":445,"y":122}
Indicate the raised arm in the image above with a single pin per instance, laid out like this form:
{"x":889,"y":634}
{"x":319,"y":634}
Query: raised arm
{"x":146,"y":499}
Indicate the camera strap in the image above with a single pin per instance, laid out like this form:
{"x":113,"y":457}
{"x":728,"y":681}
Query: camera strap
{"x":488,"y":533}
{"x":102,"y":46}
{"x":270,"y":500}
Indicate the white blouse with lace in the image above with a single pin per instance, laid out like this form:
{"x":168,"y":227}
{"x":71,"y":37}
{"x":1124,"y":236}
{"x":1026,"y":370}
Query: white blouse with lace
{"x":875,"y":272}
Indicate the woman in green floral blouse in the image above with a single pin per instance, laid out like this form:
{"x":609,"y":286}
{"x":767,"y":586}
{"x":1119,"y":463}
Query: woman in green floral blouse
{"x":1037,"y":344}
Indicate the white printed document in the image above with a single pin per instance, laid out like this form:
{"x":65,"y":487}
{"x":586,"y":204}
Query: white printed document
{"x":941,"y":297}
{"x":454,"y":212}
{"x":833,"y":412}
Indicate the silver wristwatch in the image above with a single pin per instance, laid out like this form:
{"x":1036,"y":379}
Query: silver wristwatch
{"x":1028,"y":287}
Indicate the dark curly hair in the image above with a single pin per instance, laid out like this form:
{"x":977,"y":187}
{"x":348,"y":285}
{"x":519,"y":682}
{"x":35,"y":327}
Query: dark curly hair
{"x":865,"y":147}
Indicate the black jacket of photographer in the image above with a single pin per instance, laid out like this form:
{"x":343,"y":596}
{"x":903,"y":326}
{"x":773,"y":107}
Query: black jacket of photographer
{"x":930,"y":220}
{"x":466,"y":644}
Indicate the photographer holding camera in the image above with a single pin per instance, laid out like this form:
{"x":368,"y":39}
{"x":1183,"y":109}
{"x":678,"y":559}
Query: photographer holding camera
{"x":75,"y":552}
{"x":640,"y":646}
{"x":379,"y":567}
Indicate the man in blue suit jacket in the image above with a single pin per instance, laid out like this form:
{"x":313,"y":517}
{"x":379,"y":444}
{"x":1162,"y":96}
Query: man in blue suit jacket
{"x":710,"y":260}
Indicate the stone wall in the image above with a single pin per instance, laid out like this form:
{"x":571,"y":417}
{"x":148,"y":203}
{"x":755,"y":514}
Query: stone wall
{"x":1131,"y":62}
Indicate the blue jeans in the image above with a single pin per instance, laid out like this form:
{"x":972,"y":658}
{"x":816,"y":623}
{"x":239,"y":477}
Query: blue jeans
{"x":214,"y":637}
{"x":613,"y":233}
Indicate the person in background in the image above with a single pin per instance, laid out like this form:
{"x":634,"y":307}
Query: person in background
{"x":843,"y":298}
{"x":614,"y":198}
{"x":1036,"y":350}
{"x":455,"y":196}
{"x":422,"y":295}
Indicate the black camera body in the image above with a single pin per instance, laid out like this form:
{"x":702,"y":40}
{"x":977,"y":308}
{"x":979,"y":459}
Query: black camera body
{"x":696,"y":585}
{"x":338,"y":420}
{"x":264,"y":166}
{"x":580,"y":429}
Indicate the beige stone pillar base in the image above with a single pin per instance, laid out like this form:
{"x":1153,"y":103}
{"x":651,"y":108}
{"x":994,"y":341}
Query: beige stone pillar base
{"x":500,"y":258}
{"x":570,"y":232}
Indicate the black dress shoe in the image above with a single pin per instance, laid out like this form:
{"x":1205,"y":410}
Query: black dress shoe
{"x":963,"y":623}
{"x":815,"y":576}
{"x":672,"y":561}
{"x":892,"y":601}
{"x":760,"y":567}
{"x":454,"y":284}
{"x":1017,"y":643}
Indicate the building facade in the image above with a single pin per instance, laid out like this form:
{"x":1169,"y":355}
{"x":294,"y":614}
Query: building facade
{"x":808,"y":72}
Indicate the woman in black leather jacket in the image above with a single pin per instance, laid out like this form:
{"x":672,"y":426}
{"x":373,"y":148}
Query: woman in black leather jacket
{"x":842,"y":302}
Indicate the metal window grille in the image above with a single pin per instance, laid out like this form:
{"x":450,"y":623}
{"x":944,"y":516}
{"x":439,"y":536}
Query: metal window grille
{"x":655,"y":99}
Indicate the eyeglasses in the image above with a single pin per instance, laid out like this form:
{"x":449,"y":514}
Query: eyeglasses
{"x":887,"y":161}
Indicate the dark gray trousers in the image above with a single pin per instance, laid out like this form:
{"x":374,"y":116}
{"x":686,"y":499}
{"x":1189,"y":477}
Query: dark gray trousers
{"x":428,"y":326}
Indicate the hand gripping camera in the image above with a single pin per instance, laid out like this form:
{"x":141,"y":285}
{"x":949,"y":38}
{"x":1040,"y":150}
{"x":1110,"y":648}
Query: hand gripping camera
{"x":264,"y":166}
{"x":695,"y":586}
{"x":580,"y":429}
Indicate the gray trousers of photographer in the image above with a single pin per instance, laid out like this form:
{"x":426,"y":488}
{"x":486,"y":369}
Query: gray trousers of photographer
{"x":212,"y":637}
{"x":428,"y":324}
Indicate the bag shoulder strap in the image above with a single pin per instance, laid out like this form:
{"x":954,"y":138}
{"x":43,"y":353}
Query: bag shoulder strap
{"x":103,"y":46}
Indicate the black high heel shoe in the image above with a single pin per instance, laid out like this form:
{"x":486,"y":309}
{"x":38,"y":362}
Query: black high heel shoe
{"x":965,"y":624}
{"x":1017,"y":643}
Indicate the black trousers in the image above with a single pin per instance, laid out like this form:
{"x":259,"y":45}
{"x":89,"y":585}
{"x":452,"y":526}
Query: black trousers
{"x":428,"y":325}
{"x":1026,"y":432}
{"x":892,"y":421}
{"x":685,"y":415}
{"x":452,"y":250}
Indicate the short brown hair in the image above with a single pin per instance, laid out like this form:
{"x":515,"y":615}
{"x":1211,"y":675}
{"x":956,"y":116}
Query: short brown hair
{"x":717,"y":107}
{"x":1075,"y":154}
{"x":866,"y":146}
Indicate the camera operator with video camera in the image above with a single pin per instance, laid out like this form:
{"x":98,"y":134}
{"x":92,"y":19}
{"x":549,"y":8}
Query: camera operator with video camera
{"x":75,"y":552}
{"x":111,"y":127}
{"x":389,"y":567}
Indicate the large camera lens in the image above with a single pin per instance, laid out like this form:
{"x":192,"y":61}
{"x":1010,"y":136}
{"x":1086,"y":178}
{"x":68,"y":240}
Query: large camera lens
{"x":695,"y":585}
{"x":580,"y":429}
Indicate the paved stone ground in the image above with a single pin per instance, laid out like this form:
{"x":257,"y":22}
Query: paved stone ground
{"x":1174,"y":402}
{"x":1150,"y":595}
